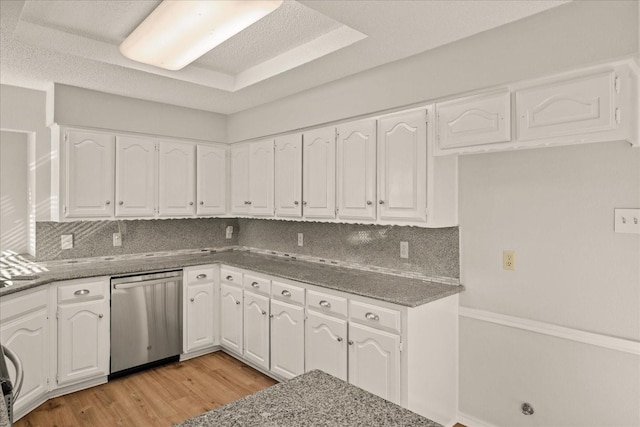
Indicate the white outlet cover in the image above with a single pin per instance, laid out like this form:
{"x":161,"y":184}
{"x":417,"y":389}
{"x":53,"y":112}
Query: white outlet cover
{"x":404,"y":249}
{"x":117,"y":239}
{"x":66,"y":241}
{"x":627,"y":221}
{"x":300,"y":239}
{"x":229,"y":231}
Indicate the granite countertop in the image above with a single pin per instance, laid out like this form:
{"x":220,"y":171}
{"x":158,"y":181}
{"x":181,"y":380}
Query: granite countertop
{"x":4,"y":416}
{"x":313,"y":399}
{"x":400,"y":290}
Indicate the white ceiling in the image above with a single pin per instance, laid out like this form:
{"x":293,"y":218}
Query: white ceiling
{"x":301,"y":45}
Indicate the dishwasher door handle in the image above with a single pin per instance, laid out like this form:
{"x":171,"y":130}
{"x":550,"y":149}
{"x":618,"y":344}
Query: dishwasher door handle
{"x":129,"y":285}
{"x":17,"y":364}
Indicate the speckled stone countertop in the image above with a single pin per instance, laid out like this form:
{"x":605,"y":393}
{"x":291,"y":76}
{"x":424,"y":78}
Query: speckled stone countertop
{"x":385,"y":287}
{"x":314,"y":399}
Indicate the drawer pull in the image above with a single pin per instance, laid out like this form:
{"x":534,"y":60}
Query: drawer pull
{"x":255,"y":285}
{"x":325,"y":304}
{"x":201,"y":276}
{"x":81,"y":292}
{"x":286,"y":293}
{"x":372,"y":316}
{"x":230,"y":278}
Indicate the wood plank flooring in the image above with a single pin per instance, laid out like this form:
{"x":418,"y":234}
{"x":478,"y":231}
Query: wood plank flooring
{"x":161,"y":396}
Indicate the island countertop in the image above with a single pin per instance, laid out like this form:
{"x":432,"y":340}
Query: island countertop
{"x":406,"y":291}
{"x":314,"y":399}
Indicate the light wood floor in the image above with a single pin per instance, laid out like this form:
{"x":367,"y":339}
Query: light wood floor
{"x":158,"y":397}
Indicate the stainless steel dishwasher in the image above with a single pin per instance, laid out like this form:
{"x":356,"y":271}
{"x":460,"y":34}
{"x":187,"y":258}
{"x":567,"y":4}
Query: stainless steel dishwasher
{"x":146,"y":320}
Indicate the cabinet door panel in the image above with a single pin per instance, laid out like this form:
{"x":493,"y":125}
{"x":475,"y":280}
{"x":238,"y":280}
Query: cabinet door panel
{"x":287,"y":339}
{"x":231,"y":317}
{"x":357,"y":170}
{"x":83,"y":340}
{"x":176,"y":179}
{"x":90,"y":173}
{"x":319,"y":165}
{"x":211,"y":180}
{"x":261,"y":178}
{"x":200,"y":316}
{"x":325,"y":344}
{"x":136,"y":177}
{"x":288,"y":176}
{"x":239,"y":179}
{"x":374,"y":361}
{"x":256,"y":329}
{"x":402,"y":166}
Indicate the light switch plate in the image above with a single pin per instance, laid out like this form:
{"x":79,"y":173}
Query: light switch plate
{"x":300,"y":239}
{"x":404,"y":249}
{"x":66,"y":241}
{"x":117,"y":239}
{"x":627,"y":221}
{"x":229,"y":231}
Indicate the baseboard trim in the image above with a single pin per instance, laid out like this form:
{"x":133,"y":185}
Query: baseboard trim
{"x":198,"y":353}
{"x":470,"y":421}
{"x":600,"y":340}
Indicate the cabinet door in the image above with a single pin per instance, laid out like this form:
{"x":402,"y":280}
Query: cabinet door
{"x":211,"y":180}
{"x":325,"y":344}
{"x":256,"y":329}
{"x":374,"y":361}
{"x":136,"y":176}
{"x":28,"y":337}
{"x":83,"y":340}
{"x":231,"y":317}
{"x":261,"y":178}
{"x":200,"y":308}
{"x":402,"y":167}
{"x":319,"y":173}
{"x":89,"y":174}
{"x":357,"y":170}
{"x":287,"y":339}
{"x":177,"y":179}
{"x":567,"y":107}
{"x":288,"y":176}
{"x":240,"y":179}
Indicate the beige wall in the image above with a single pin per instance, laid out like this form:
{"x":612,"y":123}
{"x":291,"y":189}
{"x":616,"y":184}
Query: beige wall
{"x":14,"y":192}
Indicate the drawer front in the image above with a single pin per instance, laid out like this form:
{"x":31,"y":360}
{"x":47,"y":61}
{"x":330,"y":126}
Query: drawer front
{"x":200,"y":275}
{"x":82,"y":290}
{"x":231,"y":276}
{"x":257,"y":284}
{"x":287,"y":292}
{"x":374,"y":316}
{"x":327,"y":303}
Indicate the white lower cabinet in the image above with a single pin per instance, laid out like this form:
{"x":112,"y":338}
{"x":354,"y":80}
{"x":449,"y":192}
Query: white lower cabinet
{"x":231,"y":317}
{"x":200,"y":311}
{"x":287,"y":339}
{"x":256,"y":329}
{"x":326,"y":344}
{"x":374,"y":361}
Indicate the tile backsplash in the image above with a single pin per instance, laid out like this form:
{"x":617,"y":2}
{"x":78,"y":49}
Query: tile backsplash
{"x":95,"y":238}
{"x":432,"y":251}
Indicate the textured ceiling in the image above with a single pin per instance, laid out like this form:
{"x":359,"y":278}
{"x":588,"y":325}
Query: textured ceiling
{"x":302,"y":45}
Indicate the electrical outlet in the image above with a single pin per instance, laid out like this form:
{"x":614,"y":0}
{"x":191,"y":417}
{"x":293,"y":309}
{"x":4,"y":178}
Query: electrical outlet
{"x":66,"y":241}
{"x":627,"y":221}
{"x":117,"y":239}
{"x":300,"y":239}
{"x":508,"y":260}
{"x":404,"y":249}
{"x":229,"y":231}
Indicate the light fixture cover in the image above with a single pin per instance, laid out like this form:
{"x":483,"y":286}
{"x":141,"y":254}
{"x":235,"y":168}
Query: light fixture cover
{"x":178,"y":32}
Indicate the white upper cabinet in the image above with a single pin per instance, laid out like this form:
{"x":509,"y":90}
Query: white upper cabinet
{"x":319,"y":173}
{"x":176,"y":179}
{"x":261,"y":178}
{"x":89,"y":174}
{"x":567,"y":107}
{"x":211,"y":179}
{"x":240,"y":178}
{"x":136,"y":176}
{"x":474,"y":120}
{"x":356,"y":170}
{"x":288,"y":176}
{"x":402,"y":166}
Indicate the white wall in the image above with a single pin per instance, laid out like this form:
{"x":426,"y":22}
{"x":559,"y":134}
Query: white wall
{"x":554,"y":207}
{"x":14,"y":213}
{"x":571,"y":35}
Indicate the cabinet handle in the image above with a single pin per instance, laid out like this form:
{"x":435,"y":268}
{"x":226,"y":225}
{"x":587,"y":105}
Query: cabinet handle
{"x":246,"y":202}
{"x":296,"y":203}
{"x":271,"y":316}
{"x":108,"y":202}
{"x":372,"y":316}
{"x":237,"y":302}
{"x":350,"y":342}
{"x":201,"y":276}
{"x":100,"y":316}
{"x":190,"y":203}
{"x":192,"y":299}
{"x":369,"y":202}
{"x":81,"y":292}
{"x":339,"y":339}
{"x":325,"y":304}
{"x":264,"y":312}
{"x":230,"y":278}
{"x":381,"y":202}
{"x":286,"y":293}
{"x":255,"y":285}
{"x":304,"y":203}
{"x":201,"y":202}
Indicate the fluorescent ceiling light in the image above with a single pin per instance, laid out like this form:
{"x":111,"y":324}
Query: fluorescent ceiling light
{"x":178,"y":32}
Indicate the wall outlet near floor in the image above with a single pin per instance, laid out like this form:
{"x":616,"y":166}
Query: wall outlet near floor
{"x":404,"y":249}
{"x":508,"y":260}
{"x":66,"y":241}
{"x":300,"y":239}
{"x":229,"y":231}
{"x":627,"y":221}
{"x":117,"y":239}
